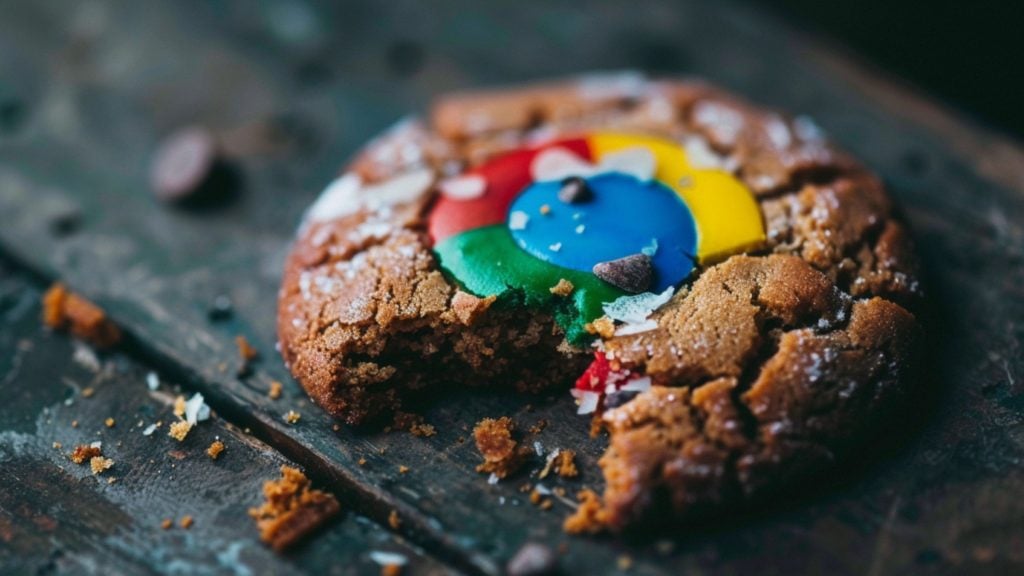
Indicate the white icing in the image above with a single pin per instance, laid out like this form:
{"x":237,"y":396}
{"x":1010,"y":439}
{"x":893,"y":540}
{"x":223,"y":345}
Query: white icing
{"x":347,"y":194}
{"x":558,"y":163}
{"x":463,"y":187}
{"x":700,"y":155}
{"x":636,"y":161}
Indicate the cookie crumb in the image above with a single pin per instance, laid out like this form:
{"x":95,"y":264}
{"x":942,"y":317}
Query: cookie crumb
{"x":275,"y":390}
{"x":186,"y":522}
{"x":394,"y":521}
{"x":57,"y":445}
{"x":624,"y":562}
{"x":215,"y":449}
{"x":502,"y":455}
{"x":247,"y":353}
{"x":84,"y":452}
{"x":565,"y":465}
{"x":603,"y":327}
{"x":109,"y":422}
{"x":423,"y":430}
{"x":65,"y":310}
{"x":166,"y":523}
{"x":391,"y":570}
{"x":403,"y":469}
{"x":74,"y":423}
{"x":589,"y":518}
{"x":563,"y":288}
{"x":545,"y":504}
{"x":362,"y":462}
{"x":545,"y":209}
{"x":99,"y":464}
{"x":179,"y":406}
{"x":293,"y":509}
{"x":179,"y":430}
{"x":292,"y":417}
{"x":88,"y":391}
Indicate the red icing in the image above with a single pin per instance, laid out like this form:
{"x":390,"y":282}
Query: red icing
{"x":599,"y":375}
{"x":506,"y":176}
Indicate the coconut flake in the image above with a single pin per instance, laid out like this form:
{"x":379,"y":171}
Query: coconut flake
{"x":517,"y":220}
{"x":635,"y":309}
{"x":85,"y":357}
{"x":555,"y":247}
{"x":636,"y":161}
{"x":586,"y":400}
{"x":388,"y":558}
{"x":492,"y":479}
{"x":538,"y":447}
{"x":152,"y":381}
{"x":559,"y":163}
{"x":465,"y":187}
{"x":642,"y":384}
{"x":149,"y":430}
{"x":651,"y":249}
{"x":196,"y":410}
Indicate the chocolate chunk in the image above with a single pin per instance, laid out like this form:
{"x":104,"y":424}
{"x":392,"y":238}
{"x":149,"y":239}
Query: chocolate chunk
{"x":632,"y":273}
{"x":575,"y":190}
{"x":183,"y":163}
{"x":616,"y":399}
{"x":533,"y":559}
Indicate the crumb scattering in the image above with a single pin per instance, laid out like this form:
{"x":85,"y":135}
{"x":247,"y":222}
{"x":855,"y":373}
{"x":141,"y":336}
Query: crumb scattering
{"x":590,"y":517}
{"x":84,"y":453}
{"x":403,"y":469}
{"x":275,"y":390}
{"x":109,"y":422}
{"x":65,"y":310}
{"x":166,"y":523}
{"x":215,"y":449}
{"x":99,"y":464}
{"x":502,"y":454}
{"x":179,"y":430}
{"x":292,"y":510}
{"x":186,"y":522}
{"x":563,"y":288}
{"x":292,"y":417}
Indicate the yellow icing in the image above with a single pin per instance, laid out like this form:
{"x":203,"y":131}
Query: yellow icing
{"x":727,"y":217}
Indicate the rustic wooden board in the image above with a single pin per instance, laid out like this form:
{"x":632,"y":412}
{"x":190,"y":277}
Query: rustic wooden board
{"x":58,"y":516}
{"x":98,"y":85}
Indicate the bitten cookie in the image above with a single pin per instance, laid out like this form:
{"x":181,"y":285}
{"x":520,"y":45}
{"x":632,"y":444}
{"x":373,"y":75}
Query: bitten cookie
{"x":725,"y":290}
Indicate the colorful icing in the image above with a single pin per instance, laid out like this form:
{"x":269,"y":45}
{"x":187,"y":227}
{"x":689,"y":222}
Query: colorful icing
{"x":508,"y":234}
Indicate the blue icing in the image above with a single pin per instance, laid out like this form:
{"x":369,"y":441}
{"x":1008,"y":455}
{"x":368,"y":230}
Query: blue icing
{"x":624,"y":217}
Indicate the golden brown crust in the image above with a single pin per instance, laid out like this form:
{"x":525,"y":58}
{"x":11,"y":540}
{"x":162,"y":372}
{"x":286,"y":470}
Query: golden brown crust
{"x":765,"y":368}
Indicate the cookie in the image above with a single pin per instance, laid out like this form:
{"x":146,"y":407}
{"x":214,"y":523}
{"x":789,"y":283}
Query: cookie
{"x":726,"y":291}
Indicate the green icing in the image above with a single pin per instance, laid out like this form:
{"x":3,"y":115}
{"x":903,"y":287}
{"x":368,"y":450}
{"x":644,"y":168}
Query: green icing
{"x":486,"y":262}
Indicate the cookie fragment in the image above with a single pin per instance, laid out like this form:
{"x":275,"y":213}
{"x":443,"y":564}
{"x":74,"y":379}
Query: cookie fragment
{"x":632,"y":273}
{"x":502,"y":455}
{"x":292,"y":510}
{"x":65,"y":310}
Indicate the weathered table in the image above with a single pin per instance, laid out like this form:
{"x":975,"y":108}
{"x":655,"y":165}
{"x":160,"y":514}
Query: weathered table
{"x":88,"y":88}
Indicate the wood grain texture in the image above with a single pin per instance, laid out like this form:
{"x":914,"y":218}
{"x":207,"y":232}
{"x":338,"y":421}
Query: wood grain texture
{"x":58,"y":516}
{"x":100,"y":83}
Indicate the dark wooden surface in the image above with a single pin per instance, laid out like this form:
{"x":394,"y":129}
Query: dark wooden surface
{"x":295,"y":88}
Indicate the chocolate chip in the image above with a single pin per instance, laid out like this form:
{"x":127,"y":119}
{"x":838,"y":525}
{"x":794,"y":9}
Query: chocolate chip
{"x":616,"y":399}
{"x":632,"y":273}
{"x":533,"y":559}
{"x":220,"y":309}
{"x":183,"y":163}
{"x":66,"y":222}
{"x":574,"y":190}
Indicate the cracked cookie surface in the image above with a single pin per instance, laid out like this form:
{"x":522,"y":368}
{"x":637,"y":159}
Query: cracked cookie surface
{"x":763,"y":367}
